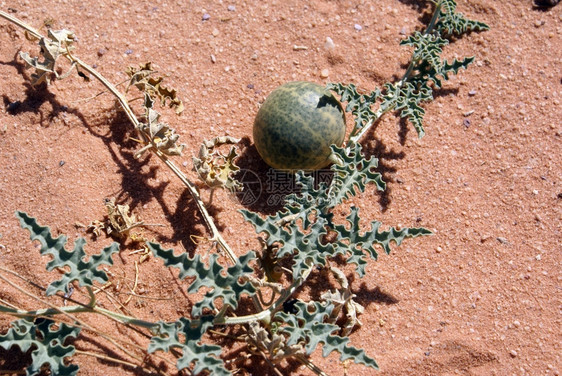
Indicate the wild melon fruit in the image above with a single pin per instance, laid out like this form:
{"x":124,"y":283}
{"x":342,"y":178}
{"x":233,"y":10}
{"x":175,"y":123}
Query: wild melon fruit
{"x":296,"y":125}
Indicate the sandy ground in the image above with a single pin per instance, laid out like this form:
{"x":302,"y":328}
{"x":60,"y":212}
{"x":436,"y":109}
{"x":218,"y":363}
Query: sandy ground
{"x":480,"y":297}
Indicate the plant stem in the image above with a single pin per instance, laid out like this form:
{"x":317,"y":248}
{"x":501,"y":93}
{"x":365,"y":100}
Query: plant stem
{"x":216,"y":235}
{"x":21,"y":24}
{"x":114,"y":360}
{"x":428,"y":30}
{"x":355,"y":137}
{"x":66,"y":311}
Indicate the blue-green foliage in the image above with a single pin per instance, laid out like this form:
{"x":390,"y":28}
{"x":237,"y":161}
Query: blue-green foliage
{"x":224,"y":283}
{"x":47,"y":344}
{"x":308,"y":328}
{"x":451,"y":22}
{"x":359,"y":105}
{"x":85,"y":272}
{"x":426,"y":68}
{"x":356,"y":242}
{"x":203,"y":357}
{"x":299,"y":229}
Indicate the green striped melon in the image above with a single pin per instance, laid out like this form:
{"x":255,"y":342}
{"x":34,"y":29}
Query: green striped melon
{"x":296,"y":125}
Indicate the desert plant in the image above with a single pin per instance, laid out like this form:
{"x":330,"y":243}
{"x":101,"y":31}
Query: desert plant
{"x":302,"y":234}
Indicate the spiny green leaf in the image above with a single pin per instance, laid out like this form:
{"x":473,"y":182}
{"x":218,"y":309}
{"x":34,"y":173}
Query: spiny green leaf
{"x":312,"y":206}
{"x":353,"y":174}
{"x":427,"y":74}
{"x":203,"y":357}
{"x":354,"y":241}
{"x":223,"y":282}
{"x":306,"y":249}
{"x":85,"y":272}
{"x":451,"y":22}
{"x":358,"y":104}
{"x":307,"y":327}
{"x":407,"y":99}
{"x":48,"y":343}
{"x":310,"y":200}
{"x":427,"y":47}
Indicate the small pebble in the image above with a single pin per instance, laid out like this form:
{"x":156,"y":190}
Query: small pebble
{"x":206,"y":17}
{"x":466,"y":123}
{"x":325,"y":73}
{"x":215,"y":32}
{"x":472,"y":93}
{"x":231,"y":8}
{"x":101,"y":52}
{"x":403,"y":31}
{"x":501,"y":240}
{"x":128,"y":51}
{"x":329,"y":45}
{"x":358,"y":27}
{"x":513,"y":353}
{"x":213,"y":59}
{"x":61,"y":163}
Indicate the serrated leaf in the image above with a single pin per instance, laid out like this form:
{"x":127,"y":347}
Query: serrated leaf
{"x":312,"y":207}
{"x":353,"y":175}
{"x":307,"y":327}
{"x":406,"y":99}
{"x":311,"y":202}
{"x":356,"y":242}
{"x":427,"y":47}
{"x":306,"y":249}
{"x":205,"y":358}
{"x":223,"y":282}
{"x":85,"y":272}
{"x":447,"y":68}
{"x":359,"y":105}
{"x":48,"y":343}
{"x":451,"y":22}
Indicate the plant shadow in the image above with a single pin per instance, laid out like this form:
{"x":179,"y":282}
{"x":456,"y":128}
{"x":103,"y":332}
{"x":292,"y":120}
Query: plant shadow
{"x":374,"y":147}
{"x":136,"y":187}
{"x":35,"y":97}
{"x":109,"y":352}
{"x":117,"y":134}
{"x":14,"y":360}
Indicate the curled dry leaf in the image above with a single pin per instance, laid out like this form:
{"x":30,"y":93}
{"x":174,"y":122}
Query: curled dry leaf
{"x":141,"y":77}
{"x":215,"y":168}
{"x":155,"y":134}
{"x":58,"y":43}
